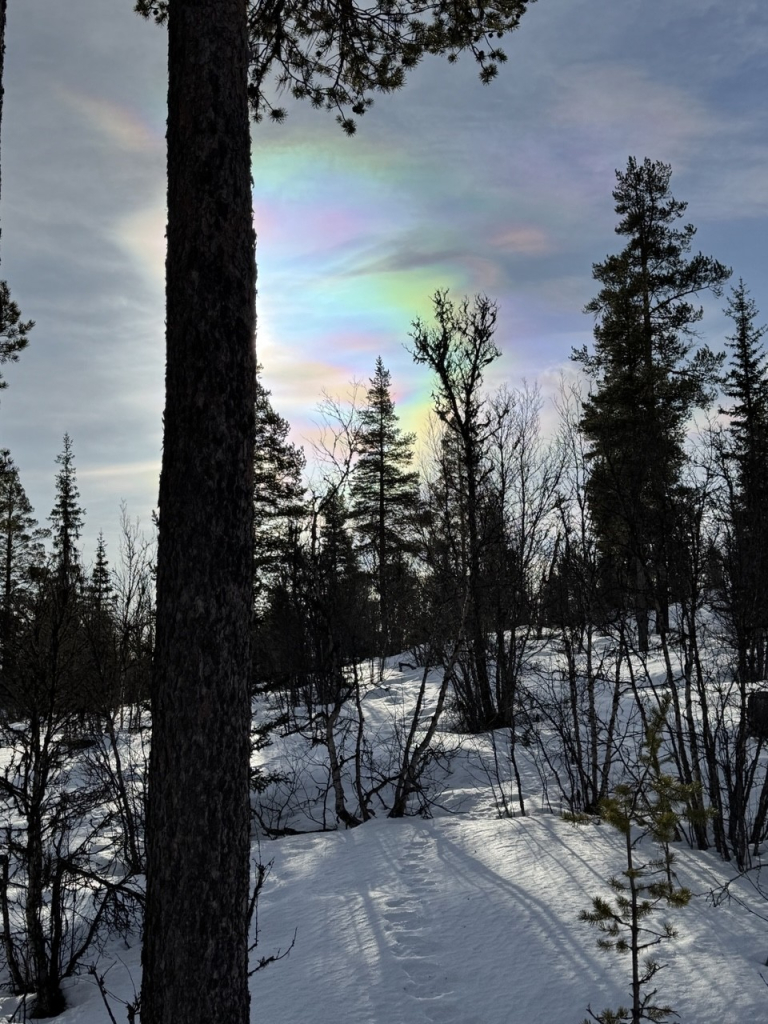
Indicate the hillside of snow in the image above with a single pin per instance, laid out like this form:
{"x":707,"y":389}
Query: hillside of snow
{"x":461,"y":916}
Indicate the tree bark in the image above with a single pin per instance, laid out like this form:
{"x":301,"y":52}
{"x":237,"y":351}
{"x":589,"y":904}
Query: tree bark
{"x":195,"y":948}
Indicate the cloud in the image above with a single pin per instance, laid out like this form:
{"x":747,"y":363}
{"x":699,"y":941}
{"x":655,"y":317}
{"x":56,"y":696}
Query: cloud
{"x":117,"y":123}
{"x":529,"y":240}
{"x":619,"y":107}
{"x":109,"y":475}
{"x":141,"y":236}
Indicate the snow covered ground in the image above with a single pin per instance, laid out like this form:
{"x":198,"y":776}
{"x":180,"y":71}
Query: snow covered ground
{"x":467,"y":918}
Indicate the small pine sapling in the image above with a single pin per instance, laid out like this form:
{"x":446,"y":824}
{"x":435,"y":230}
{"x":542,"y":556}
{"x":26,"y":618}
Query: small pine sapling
{"x":654,"y":804}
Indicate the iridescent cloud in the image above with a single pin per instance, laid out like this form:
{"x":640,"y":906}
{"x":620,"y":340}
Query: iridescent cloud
{"x":122,"y":126}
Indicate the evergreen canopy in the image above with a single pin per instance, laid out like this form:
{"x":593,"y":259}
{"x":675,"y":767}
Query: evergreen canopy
{"x":336,"y":54}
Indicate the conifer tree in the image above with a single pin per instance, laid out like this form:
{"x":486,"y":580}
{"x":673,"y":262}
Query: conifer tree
{"x":325,"y":613}
{"x":746,"y":383}
{"x":220,"y":58}
{"x":279,"y":508}
{"x":21,"y":555}
{"x":66,"y":519}
{"x":652,"y":805}
{"x":384,"y":497}
{"x":647,"y":380}
{"x":99,"y":620}
{"x":745,"y":468}
{"x":100,"y":587}
{"x":443,"y":546}
{"x":14,"y":332}
{"x":337,"y":57}
{"x":278,"y":494}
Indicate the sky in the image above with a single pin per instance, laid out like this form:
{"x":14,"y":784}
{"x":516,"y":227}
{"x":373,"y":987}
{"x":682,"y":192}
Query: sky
{"x":503,"y":190}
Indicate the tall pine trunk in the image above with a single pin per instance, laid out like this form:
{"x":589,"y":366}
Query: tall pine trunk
{"x":195,"y":948}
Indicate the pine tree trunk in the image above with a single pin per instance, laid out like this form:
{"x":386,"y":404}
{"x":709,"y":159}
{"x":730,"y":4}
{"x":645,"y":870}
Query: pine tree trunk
{"x":195,"y":947}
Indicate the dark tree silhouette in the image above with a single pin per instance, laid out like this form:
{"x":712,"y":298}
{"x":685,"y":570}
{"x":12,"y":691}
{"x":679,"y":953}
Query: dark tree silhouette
{"x":278,"y":495}
{"x":746,"y":383}
{"x":647,"y":381}
{"x":384,"y":501}
{"x":21,"y":552}
{"x":336,"y":54}
{"x":66,"y":518}
{"x":745,"y":472}
{"x":195,"y":948}
{"x":458,"y":349}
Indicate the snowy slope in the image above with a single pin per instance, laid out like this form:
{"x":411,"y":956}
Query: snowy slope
{"x":469,"y":921}
{"x":467,"y":918}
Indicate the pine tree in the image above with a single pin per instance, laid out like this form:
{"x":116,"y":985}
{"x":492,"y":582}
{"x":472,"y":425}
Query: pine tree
{"x":338,"y":61}
{"x":21,"y":556}
{"x":319,"y":620}
{"x":647,"y":381}
{"x":384,"y":496}
{"x":443,"y":540}
{"x":14,"y":332}
{"x":195,"y":952}
{"x":652,"y":805}
{"x":195,"y":947}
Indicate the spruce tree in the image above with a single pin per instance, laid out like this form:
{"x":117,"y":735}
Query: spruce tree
{"x":100,"y":589}
{"x":647,"y":381}
{"x":100,"y":623}
{"x":278,"y":494}
{"x":279,"y":510}
{"x":384,"y":497}
{"x":745,"y":467}
{"x":66,"y":520}
{"x":746,"y":383}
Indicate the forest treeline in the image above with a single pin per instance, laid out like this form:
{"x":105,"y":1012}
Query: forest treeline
{"x":625,"y":539}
